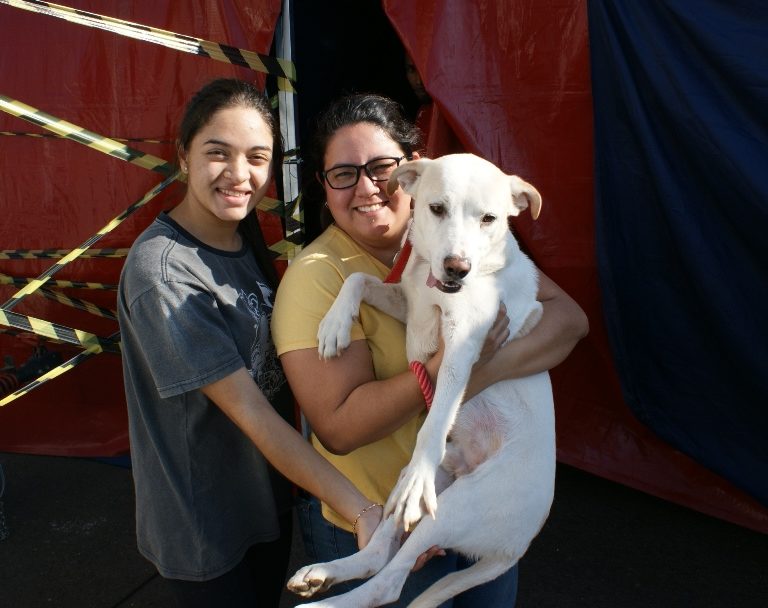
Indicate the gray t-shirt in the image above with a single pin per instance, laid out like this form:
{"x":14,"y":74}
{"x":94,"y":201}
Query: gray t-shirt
{"x":191,"y":315}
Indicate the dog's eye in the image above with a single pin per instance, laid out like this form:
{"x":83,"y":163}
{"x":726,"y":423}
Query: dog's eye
{"x":437,"y":209}
{"x":488,"y":218}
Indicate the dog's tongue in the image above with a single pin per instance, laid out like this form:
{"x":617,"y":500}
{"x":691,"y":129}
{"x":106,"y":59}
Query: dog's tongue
{"x":432,"y":281}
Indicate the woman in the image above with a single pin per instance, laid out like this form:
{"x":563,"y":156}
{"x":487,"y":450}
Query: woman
{"x":207,"y":399}
{"x":365,"y":406}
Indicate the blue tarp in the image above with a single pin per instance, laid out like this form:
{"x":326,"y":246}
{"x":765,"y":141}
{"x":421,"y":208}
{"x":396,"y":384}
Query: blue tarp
{"x":680,"y":93}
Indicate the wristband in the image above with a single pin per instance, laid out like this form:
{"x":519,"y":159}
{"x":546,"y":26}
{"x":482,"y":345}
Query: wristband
{"x":425,"y":384}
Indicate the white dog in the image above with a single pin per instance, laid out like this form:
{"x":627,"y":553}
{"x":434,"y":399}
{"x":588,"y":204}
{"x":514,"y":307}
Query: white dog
{"x":501,"y":450}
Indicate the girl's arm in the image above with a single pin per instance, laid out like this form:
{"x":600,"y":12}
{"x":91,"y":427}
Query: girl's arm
{"x":240,"y":399}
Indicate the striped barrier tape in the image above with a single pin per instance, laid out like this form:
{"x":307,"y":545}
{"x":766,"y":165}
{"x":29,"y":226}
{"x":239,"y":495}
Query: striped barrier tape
{"x":83,"y":136}
{"x":78,"y":303}
{"x":6,"y":279}
{"x":54,"y":136}
{"x":62,"y":298}
{"x":39,"y":281}
{"x":56,"y":371}
{"x":285,"y":71}
{"x":41,"y":327}
{"x":36,"y":254}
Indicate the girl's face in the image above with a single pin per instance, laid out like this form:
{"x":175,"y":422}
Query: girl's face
{"x":229,"y":163}
{"x":364,"y":211}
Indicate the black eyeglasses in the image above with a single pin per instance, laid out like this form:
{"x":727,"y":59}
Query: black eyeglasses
{"x":346,"y":176}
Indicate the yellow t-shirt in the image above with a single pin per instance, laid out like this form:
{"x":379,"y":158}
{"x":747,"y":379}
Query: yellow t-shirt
{"x":306,"y":292}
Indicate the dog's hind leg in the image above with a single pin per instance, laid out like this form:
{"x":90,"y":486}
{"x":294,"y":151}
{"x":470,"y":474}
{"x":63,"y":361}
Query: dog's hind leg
{"x":368,"y":561}
{"x":386,"y":586}
{"x":482,"y":571}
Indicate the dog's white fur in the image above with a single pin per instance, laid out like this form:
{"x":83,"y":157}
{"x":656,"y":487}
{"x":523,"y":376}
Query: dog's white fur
{"x":501,"y":450}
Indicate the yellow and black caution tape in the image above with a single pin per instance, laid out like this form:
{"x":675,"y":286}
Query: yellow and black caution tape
{"x":294,"y":221}
{"x":78,"y":303}
{"x":62,"y":298}
{"x":36,"y":254}
{"x":270,"y":204}
{"x":83,"y":136}
{"x":56,"y":371}
{"x":288,"y":247}
{"x":61,"y":283}
{"x":41,"y":327}
{"x":91,"y":343}
{"x":54,"y":136}
{"x":284,"y":70}
{"x":285,"y":250}
{"x":39,"y":281}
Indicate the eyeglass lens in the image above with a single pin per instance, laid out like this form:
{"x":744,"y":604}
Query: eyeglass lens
{"x":346,"y":176}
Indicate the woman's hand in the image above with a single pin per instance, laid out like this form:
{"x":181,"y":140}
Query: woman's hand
{"x":426,"y":556}
{"x":496,"y":336}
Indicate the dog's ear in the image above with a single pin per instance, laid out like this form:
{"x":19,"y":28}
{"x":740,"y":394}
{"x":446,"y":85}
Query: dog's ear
{"x":524,"y":195}
{"x":407,"y":176}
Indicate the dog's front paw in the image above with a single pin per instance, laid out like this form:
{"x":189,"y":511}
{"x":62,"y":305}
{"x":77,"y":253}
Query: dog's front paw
{"x":311,"y":579}
{"x":334,"y":332}
{"x":413,"y":496}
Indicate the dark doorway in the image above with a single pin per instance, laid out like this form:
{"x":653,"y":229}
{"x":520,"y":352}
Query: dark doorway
{"x":342,"y":46}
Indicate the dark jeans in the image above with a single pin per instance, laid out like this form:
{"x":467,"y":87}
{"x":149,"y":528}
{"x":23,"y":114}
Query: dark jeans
{"x":256,"y":582}
{"x":325,"y":542}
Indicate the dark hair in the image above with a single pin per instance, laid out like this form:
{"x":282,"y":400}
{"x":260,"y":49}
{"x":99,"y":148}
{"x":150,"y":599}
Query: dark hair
{"x":229,"y":93}
{"x":381,"y":111}
{"x":377,"y":110}
{"x":218,"y":95}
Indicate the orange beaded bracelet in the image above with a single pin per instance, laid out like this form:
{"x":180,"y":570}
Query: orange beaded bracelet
{"x":425,"y":384}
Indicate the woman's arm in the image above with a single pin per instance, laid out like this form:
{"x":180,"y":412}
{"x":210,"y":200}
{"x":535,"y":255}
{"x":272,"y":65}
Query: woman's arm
{"x":344,"y":403}
{"x":240,"y":399}
{"x":561,"y":326}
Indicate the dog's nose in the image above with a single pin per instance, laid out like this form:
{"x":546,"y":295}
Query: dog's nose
{"x":456,"y":267}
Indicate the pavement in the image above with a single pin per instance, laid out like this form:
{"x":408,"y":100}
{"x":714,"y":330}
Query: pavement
{"x":71,"y":545}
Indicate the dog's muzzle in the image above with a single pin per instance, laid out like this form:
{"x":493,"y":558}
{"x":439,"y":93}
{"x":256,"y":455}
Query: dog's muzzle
{"x":444,"y":286}
{"x":455,"y":268}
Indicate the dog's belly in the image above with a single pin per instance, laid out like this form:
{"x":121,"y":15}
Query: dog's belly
{"x":502,"y":417}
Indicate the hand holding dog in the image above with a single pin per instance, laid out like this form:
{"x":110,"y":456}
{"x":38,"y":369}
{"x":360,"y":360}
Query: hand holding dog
{"x":496,"y":337}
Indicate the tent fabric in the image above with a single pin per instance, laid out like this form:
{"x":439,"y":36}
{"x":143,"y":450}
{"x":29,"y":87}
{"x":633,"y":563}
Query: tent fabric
{"x":56,"y":193}
{"x":513,"y":81}
{"x":681,"y":140}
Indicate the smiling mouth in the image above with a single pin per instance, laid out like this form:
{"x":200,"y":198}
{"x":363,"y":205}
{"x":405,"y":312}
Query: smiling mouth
{"x":370,"y":208}
{"x":234,"y":193}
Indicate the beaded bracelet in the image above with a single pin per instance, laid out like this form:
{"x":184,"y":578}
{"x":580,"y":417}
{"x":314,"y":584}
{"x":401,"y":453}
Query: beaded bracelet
{"x":363,"y":512}
{"x":425,"y":384}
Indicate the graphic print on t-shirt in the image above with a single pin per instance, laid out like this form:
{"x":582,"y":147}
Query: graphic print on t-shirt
{"x":265,"y":369}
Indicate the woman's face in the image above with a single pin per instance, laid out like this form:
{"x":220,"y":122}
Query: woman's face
{"x":229,"y":163}
{"x":365,"y":211}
